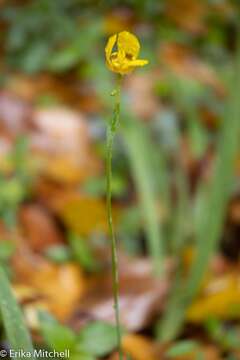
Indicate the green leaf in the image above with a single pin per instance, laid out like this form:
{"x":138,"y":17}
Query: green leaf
{"x":227,"y":338}
{"x":65,"y":59}
{"x":136,"y":138}
{"x":182,"y":348}
{"x":34,"y":57}
{"x":81,"y":356}
{"x":12,"y":317}
{"x":58,"y":253}
{"x":97,"y":338}
{"x":56,"y":336}
{"x":82,"y":252}
{"x":213,"y":209}
{"x":7,"y":249}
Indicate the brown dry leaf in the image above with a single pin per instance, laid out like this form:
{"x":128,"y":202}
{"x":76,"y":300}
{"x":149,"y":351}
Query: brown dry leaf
{"x":220,"y":298}
{"x":143,"y":101}
{"x":118,"y":20}
{"x":234,"y":211}
{"x":25,"y":293}
{"x":142,"y":296}
{"x":39,"y":229}
{"x":209,"y":118}
{"x":65,"y":128}
{"x":238,"y":166}
{"x":48,"y":192}
{"x":14,"y":114}
{"x":141,"y":348}
{"x":67,"y":90}
{"x":219,"y":265}
{"x":188,"y":14}
{"x":59,"y":287}
{"x":83,"y":214}
{"x":63,"y":287}
{"x":65,"y":170}
{"x":25,"y":87}
{"x":31,"y":302}
{"x":211,"y":353}
{"x":237,"y":354}
{"x":181,"y":60}
{"x":62,"y":136}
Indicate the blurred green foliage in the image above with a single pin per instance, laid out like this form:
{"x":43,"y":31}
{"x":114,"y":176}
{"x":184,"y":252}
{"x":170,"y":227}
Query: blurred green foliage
{"x":57,"y":36}
{"x":15,"y":187}
{"x":96,"y":339}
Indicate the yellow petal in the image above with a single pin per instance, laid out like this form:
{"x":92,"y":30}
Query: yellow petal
{"x":109,"y":47}
{"x":124,"y":58}
{"x":139,"y":62}
{"x":128,"y":43}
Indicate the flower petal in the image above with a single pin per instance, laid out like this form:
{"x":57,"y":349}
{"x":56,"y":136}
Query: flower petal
{"x":138,"y":62}
{"x":128,"y":43}
{"x":109,"y":47}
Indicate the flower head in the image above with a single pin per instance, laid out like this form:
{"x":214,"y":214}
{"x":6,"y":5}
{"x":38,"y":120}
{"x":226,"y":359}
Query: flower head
{"x":121,"y":51}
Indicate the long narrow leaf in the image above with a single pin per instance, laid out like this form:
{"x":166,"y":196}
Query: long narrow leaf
{"x":212,"y":213}
{"x":139,"y":147}
{"x":13,"y":321}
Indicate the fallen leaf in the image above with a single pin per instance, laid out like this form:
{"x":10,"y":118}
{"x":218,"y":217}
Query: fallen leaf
{"x":64,"y":90}
{"x":219,"y":298}
{"x":39,"y":228}
{"x":188,"y":14}
{"x":62,"y":136}
{"x":65,"y":170}
{"x":142,"y":296}
{"x":74,"y":210}
{"x":118,"y":20}
{"x":14,"y":113}
{"x":141,"y":348}
{"x":59,"y":287}
{"x":144,"y":102}
{"x":182,"y":61}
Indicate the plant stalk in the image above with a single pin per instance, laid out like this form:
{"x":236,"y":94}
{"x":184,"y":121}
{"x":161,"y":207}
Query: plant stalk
{"x":111,"y":131}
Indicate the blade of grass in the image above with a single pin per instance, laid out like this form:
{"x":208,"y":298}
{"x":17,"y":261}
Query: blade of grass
{"x":212,"y":213}
{"x":13,"y":321}
{"x":139,"y":148}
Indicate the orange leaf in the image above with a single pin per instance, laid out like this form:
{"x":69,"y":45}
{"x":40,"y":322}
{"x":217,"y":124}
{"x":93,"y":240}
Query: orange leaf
{"x":83,"y":214}
{"x":187,"y":14}
{"x":58,"y":287}
{"x":140,"y":347}
{"x":220,"y":298}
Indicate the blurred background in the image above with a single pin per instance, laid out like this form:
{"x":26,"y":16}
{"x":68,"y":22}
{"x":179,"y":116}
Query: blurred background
{"x":176,"y":169}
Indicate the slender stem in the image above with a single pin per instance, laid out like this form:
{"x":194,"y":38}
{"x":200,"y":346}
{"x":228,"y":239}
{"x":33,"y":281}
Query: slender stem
{"x":111,"y":131}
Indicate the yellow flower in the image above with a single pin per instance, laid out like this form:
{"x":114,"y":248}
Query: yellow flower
{"x":121,"y":51}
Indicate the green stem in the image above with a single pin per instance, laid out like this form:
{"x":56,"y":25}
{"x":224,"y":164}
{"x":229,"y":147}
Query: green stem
{"x":111,"y":131}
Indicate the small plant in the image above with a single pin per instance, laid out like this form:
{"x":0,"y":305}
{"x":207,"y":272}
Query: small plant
{"x":121,"y":57}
